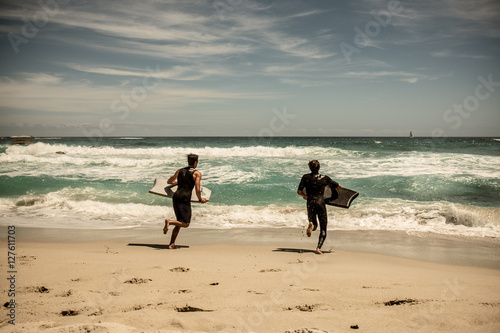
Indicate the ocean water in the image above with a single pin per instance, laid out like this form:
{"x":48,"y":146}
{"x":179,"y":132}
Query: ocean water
{"x":447,"y":185}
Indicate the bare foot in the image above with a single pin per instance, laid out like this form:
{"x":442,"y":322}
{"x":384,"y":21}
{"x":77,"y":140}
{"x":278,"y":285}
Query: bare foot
{"x":309,"y":229}
{"x":165,"y":228}
{"x":172,"y":246}
{"x":318,"y":251}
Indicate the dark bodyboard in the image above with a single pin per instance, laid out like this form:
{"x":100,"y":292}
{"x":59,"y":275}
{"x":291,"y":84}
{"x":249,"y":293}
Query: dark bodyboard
{"x":338,"y":197}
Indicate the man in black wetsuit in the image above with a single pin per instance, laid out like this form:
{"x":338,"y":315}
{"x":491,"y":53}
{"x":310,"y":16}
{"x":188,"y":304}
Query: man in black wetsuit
{"x":186,"y":179}
{"x":315,"y":184}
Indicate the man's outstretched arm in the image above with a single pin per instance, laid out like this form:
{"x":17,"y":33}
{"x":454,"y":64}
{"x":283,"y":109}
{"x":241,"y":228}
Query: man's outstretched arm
{"x":173,"y":179}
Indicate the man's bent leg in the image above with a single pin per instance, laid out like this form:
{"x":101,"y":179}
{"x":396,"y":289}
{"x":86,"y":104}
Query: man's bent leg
{"x":165,"y":228}
{"x":175,"y":232}
{"x":309,"y":229}
{"x":311,"y":216}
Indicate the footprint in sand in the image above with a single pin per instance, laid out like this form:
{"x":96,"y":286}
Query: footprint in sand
{"x":38,"y":289}
{"x":180,"y":269}
{"x":26,"y":260}
{"x":66,"y":313}
{"x":270,"y":270}
{"x":108,"y":250}
{"x":305,"y":307}
{"x":188,"y":308}
{"x":307,"y":330}
{"x":67,"y":293}
{"x":400,"y":302}
{"x":183,"y":291}
{"x":137,"y":281}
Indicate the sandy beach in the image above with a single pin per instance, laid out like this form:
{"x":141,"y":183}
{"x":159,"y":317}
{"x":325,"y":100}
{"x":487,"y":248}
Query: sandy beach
{"x":230,"y":281}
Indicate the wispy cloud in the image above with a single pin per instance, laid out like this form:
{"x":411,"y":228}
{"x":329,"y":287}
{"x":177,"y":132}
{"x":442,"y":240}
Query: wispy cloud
{"x":297,"y":46}
{"x":308,"y":13}
{"x":150,"y":25}
{"x":305,"y":82}
{"x":181,"y":73}
{"x":398,"y":76}
{"x":448,"y":18}
{"x":457,"y":55}
{"x":41,"y":78}
{"x":52,"y":93}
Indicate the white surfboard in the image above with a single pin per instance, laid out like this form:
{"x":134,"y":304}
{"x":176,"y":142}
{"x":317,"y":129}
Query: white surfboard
{"x":163,"y":188}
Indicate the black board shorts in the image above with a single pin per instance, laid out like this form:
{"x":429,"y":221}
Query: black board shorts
{"x":182,"y":210}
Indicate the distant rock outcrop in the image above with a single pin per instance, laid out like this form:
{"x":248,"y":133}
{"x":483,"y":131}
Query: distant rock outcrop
{"x":21,"y":142}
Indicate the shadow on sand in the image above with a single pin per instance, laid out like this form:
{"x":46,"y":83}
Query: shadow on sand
{"x":158,"y":246}
{"x":285,"y":249}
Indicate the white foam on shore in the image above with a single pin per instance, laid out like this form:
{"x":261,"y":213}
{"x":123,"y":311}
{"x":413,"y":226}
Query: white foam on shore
{"x":70,"y":209}
{"x":255,"y":168}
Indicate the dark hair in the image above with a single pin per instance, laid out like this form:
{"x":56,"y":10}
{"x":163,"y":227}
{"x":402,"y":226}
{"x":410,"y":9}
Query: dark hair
{"x":314,"y":166}
{"x":192,"y":159}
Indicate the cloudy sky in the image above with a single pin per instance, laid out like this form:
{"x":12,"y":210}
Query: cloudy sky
{"x":244,"y":67}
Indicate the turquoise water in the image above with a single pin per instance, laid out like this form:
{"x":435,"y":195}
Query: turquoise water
{"x":446,"y":185}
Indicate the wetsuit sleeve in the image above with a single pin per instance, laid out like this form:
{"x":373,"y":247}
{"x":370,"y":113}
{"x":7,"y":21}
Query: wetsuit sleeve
{"x":302,"y":183}
{"x":333,"y":183}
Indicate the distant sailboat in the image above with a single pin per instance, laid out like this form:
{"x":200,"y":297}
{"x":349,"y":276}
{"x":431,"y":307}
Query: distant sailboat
{"x":411,"y":134}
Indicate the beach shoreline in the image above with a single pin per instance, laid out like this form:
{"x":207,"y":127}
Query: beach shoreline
{"x":431,"y":247}
{"x":242,"y":281}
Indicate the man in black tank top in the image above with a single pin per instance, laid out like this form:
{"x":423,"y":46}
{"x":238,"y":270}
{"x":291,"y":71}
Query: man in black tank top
{"x":315,"y":184}
{"x":186,"y":179}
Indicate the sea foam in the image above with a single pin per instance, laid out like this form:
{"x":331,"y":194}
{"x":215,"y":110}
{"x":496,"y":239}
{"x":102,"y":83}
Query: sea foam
{"x":60,"y":209}
{"x":403,"y":185}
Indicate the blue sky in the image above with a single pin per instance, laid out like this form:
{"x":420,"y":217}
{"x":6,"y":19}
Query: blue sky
{"x":249,"y":68}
